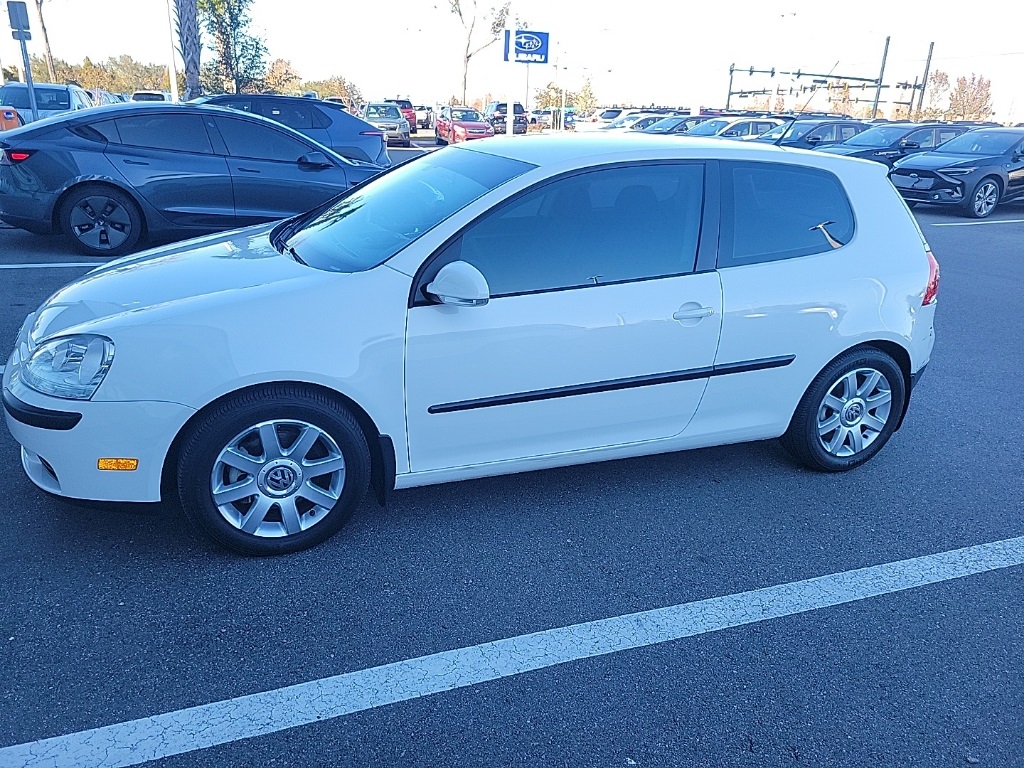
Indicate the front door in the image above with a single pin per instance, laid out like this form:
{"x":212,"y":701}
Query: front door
{"x":598,"y":331}
{"x":269,"y":182}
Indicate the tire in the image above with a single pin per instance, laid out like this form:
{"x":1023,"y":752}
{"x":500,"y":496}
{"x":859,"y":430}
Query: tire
{"x":227,"y":448}
{"x":438,"y":140}
{"x":984,"y":198}
{"x":407,"y":143}
{"x":100,"y":220}
{"x":871,"y":410}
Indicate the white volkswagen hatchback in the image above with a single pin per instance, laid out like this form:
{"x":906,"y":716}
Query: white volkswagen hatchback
{"x":689,"y":294}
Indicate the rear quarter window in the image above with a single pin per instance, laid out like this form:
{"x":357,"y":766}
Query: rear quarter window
{"x":773,"y":211}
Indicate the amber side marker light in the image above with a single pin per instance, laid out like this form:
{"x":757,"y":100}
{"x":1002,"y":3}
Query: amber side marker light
{"x":118,"y":465}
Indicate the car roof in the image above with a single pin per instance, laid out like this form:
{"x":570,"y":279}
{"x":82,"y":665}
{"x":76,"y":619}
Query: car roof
{"x":16,"y":84}
{"x":541,"y":149}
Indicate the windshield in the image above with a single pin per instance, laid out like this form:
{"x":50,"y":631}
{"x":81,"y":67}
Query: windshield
{"x":148,"y":97}
{"x":879,"y":136}
{"x":982,"y":143}
{"x":665,"y":125}
{"x":383,"y":111}
{"x":469,"y":115}
{"x":708,"y":128}
{"x":380,"y":217}
{"x":46,"y":98}
{"x":610,"y":114}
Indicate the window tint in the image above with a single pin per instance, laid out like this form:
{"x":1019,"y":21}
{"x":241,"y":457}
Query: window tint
{"x":46,"y":98}
{"x":297,"y":116}
{"x":261,"y":142}
{"x":104,"y":130}
{"x":771,"y":212}
{"x":925,"y":137}
{"x":600,"y":227}
{"x":945,"y":134}
{"x":824,"y":133}
{"x":245,"y":105}
{"x":848,"y":132}
{"x":180,"y":133}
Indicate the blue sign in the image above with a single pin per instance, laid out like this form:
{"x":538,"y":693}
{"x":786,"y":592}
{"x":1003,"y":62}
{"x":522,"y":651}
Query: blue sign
{"x":530,"y":47}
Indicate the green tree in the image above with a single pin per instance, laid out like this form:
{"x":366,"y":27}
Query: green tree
{"x":971,"y":99}
{"x":9,"y":74}
{"x":190,"y":45}
{"x":240,"y":58}
{"x":335,"y":86}
{"x":585,"y":99}
{"x":550,"y":97}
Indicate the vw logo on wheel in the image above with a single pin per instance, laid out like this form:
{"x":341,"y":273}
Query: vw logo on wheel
{"x":528,"y":42}
{"x":280,"y":478}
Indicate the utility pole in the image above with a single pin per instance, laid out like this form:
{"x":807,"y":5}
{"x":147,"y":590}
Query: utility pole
{"x":732,"y":68}
{"x":924,"y":82}
{"x":881,"y":74}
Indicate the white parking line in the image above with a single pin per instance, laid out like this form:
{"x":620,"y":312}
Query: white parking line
{"x":51,"y":265}
{"x":978,"y":223}
{"x":185,"y":730}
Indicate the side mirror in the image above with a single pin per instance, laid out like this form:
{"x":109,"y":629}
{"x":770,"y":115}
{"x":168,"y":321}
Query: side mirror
{"x":315,"y":159}
{"x":459,"y":284}
{"x":909,"y":145}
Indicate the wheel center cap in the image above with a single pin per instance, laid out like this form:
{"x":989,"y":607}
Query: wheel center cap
{"x":279,"y":478}
{"x":853,"y":412}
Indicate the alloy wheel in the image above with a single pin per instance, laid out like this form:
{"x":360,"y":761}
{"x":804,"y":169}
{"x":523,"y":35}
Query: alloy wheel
{"x":278,"y":478}
{"x":854,"y":412}
{"x":100,"y":222}
{"x":985,"y":198}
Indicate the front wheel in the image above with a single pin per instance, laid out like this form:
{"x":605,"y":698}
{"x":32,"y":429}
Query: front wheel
{"x":983,"y":199}
{"x":848,"y":413}
{"x":274,"y":470}
{"x":100,"y":220}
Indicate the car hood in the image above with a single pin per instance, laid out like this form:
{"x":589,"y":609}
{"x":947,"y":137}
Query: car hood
{"x":170,"y":279}
{"x":472,"y":125}
{"x":930,"y":161}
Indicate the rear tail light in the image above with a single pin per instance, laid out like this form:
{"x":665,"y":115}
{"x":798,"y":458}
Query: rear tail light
{"x":14,"y":156}
{"x":931,"y":291}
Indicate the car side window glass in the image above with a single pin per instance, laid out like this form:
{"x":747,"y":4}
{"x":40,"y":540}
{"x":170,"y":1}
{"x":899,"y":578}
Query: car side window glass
{"x":774,"y":211}
{"x":297,"y":116}
{"x":946,"y":134}
{"x":178,"y":133}
{"x":258,"y":142}
{"x":925,"y":138}
{"x":244,"y":105}
{"x":824,"y":133}
{"x":606,"y":226}
{"x":847,"y":132}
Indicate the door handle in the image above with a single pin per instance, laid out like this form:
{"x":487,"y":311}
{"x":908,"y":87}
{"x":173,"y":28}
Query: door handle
{"x":693,"y":314}
{"x":247,"y":170}
{"x":135,"y":162}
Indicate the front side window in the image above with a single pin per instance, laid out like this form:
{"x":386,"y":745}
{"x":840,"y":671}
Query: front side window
{"x":925,"y":138}
{"x":176,"y":133}
{"x":825,"y":133}
{"x":775,"y":211}
{"x":605,"y":226}
{"x":382,"y":216}
{"x":259,"y":142}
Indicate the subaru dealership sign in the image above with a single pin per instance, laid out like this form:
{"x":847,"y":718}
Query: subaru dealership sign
{"x":530,"y":47}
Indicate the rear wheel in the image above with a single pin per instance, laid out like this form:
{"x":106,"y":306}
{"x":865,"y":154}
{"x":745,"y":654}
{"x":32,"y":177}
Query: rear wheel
{"x":100,"y":220}
{"x":848,"y":413}
{"x":438,"y":140}
{"x":983,"y":198}
{"x":273,"y":471}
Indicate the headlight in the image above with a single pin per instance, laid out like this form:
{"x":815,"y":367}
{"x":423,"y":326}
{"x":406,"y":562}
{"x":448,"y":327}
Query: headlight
{"x":71,"y":367}
{"x":957,"y":171}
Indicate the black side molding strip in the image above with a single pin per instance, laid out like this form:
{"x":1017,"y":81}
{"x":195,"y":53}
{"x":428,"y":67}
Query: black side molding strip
{"x":614,"y":384}
{"x":39,"y":417}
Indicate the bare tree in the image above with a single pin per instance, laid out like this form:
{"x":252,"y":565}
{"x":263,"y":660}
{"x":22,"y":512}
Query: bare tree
{"x":938,"y":97}
{"x":48,"y":54}
{"x":190,"y":45}
{"x":971,"y":99}
{"x":491,"y":25}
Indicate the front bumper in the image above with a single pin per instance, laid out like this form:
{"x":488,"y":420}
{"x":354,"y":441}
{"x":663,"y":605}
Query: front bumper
{"x":61,"y":457}
{"x":928,"y":188}
{"x":499,"y":127}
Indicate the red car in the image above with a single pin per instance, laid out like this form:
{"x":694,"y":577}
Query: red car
{"x":408,"y":112}
{"x":456,"y":124}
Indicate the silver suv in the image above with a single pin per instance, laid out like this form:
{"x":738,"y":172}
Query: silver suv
{"x":50,"y":99}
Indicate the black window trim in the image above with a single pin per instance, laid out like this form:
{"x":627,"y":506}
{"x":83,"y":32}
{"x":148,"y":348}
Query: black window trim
{"x":707,"y":236}
{"x":726,"y":197}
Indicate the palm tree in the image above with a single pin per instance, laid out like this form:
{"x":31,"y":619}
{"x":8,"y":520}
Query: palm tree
{"x":46,"y":43}
{"x":187,"y":14}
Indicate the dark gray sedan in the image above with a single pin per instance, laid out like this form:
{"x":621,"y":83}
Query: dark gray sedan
{"x":106,"y":178}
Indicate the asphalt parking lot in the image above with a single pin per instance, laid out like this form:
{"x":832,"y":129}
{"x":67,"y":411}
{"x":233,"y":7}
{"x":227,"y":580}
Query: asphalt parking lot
{"x":110,"y":615}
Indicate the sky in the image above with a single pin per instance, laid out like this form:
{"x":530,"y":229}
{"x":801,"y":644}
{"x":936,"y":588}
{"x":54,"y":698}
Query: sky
{"x":672,"y":53}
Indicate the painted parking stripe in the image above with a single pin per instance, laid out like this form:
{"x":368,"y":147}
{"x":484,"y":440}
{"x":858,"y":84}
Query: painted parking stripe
{"x":978,"y":223}
{"x":222,"y":722}
{"x":50,"y":265}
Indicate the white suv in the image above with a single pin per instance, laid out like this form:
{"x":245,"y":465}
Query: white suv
{"x":690,"y":294}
